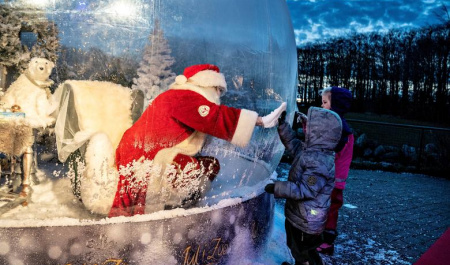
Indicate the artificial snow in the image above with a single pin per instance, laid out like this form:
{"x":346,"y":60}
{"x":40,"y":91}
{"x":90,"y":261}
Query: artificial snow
{"x":53,"y":203}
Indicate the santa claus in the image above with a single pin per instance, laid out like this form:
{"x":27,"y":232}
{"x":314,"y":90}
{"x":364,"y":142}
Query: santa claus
{"x":156,"y":156}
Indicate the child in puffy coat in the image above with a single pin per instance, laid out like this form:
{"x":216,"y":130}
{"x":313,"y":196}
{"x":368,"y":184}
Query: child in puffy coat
{"x":310,"y":182}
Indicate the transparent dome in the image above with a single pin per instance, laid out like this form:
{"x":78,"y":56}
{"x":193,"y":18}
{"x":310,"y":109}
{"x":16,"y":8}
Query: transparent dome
{"x":142,"y":46}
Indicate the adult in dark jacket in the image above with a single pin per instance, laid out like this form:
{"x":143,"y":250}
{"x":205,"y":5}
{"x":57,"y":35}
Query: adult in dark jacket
{"x":310,"y":182}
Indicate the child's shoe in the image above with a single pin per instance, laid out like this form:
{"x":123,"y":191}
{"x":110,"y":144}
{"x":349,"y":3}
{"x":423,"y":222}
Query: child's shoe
{"x":326,"y":249}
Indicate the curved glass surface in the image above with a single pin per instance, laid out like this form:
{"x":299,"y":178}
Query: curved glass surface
{"x":103,"y":52}
{"x":252,"y":42}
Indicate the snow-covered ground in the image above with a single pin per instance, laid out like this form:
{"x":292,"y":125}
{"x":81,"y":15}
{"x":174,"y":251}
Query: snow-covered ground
{"x":348,"y":251}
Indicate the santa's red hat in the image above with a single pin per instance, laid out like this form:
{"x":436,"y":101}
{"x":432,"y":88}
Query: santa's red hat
{"x":204,"y":75}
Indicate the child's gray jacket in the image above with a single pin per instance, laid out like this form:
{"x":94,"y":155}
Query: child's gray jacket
{"x":311,"y":177}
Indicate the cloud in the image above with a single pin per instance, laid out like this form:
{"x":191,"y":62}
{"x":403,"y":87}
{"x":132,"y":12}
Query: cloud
{"x":322,"y":19}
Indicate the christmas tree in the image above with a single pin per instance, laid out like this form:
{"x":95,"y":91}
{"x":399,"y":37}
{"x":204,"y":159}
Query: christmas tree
{"x":154,"y":72}
{"x":14,"y":55}
{"x":47,"y":45}
{"x":10,"y":46}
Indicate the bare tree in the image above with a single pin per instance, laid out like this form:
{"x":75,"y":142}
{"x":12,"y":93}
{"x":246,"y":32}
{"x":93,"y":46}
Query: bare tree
{"x":402,"y":73}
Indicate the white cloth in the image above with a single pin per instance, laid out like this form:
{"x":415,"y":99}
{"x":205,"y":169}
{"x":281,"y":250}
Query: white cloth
{"x":92,"y":117}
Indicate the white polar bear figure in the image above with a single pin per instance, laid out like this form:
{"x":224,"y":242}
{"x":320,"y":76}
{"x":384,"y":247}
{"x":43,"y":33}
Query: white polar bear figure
{"x":31,"y":92}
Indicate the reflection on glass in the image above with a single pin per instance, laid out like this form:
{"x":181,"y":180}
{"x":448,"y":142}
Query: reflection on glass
{"x":112,"y":58}
{"x":143,"y":45}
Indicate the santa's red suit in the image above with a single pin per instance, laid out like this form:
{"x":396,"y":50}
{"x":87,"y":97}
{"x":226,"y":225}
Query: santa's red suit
{"x":170,"y":132}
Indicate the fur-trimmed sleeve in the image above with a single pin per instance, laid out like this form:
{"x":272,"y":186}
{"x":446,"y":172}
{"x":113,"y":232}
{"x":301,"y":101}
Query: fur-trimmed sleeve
{"x":231,"y":124}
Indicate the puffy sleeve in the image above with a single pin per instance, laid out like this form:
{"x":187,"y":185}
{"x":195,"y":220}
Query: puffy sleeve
{"x":306,"y":189}
{"x":289,"y":139}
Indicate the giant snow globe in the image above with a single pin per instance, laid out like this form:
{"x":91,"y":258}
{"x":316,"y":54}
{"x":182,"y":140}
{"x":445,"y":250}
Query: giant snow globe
{"x":78,"y":77}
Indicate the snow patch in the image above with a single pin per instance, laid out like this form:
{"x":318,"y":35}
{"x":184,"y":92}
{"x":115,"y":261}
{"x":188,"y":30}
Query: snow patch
{"x":54,"y":252}
{"x":4,"y":248}
{"x":146,"y":238}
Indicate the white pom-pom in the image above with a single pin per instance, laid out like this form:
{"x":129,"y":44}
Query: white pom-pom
{"x":181,"y":79}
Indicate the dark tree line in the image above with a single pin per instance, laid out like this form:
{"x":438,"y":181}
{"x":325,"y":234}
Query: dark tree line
{"x":402,"y":73}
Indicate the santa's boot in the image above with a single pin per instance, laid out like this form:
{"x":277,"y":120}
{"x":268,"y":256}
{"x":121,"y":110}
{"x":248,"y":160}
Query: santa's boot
{"x":210,"y":166}
{"x":209,"y":169}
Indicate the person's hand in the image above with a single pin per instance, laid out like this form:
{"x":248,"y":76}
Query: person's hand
{"x":282,"y":118}
{"x":271,"y":120}
{"x":301,"y":117}
{"x":270,"y":188}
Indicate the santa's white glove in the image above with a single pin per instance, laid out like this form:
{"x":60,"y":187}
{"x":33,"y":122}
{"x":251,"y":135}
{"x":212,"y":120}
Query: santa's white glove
{"x":271,"y":120}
